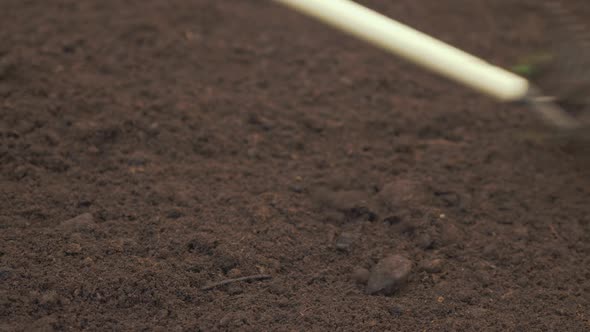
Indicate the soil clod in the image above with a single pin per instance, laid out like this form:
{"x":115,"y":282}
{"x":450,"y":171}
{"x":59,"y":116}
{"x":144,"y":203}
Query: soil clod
{"x":389,"y":275}
{"x":73,"y":249}
{"x":81,"y":222}
{"x":345,"y":241}
{"x":432,"y":266}
{"x":361,"y":275}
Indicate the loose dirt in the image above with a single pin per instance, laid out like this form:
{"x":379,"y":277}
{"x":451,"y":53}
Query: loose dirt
{"x":151,"y":148}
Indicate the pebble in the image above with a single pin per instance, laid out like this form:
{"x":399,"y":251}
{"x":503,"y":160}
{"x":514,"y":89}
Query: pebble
{"x":225,"y":320}
{"x":93,"y":150}
{"x":21,"y":171}
{"x":389,"y":275}
{"x":467,"y":296}
{"x":49,"y":298}
{"x":88,"y":261}
{"x":163,"y":313}
{"x":277,"y":289}
{"x":361,"y":275}
{"x":396,"y":311}
{"x":490,"y":251}
{"x":234,"y":289}
{"x":296,"y":189}
{"x":450,"y":234}
{"x":521,"y":233}
{"x":174,"y":214}
{"x":73,"y":249}
{"x":233,"y":320}
{"x":424,"y":241}
{"x":345,"y":241}
{"x":234,"y":273}
{"x":84,"y":221}
{"x":284,"y":302}
{"x":401,"y":193}
{"x":432,"y":266}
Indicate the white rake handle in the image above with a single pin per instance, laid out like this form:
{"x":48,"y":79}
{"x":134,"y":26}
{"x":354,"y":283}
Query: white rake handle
{"x":415,"y":46}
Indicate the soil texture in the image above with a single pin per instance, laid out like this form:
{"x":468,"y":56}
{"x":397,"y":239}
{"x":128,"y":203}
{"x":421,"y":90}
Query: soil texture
{"x":150,"y":151}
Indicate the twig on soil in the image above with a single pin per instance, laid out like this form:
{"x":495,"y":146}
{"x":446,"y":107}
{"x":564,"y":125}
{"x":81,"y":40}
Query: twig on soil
{"x":229,"y":281}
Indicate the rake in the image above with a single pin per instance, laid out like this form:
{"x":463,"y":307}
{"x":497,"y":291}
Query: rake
{"x":466,"y":69}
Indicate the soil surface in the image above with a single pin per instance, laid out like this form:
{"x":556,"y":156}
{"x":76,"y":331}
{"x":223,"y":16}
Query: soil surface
{"x":151,"y":148}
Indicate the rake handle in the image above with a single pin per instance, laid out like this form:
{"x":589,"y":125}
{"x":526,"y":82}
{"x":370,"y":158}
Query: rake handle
{"x":415,"y":46}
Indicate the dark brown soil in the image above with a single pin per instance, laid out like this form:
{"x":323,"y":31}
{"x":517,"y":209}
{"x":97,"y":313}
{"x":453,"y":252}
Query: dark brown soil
{"x":195,"y":141}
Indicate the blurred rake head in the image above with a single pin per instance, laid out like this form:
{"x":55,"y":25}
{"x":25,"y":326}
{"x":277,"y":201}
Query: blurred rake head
{"x":563,"y":73}
{"x":560,"y":79}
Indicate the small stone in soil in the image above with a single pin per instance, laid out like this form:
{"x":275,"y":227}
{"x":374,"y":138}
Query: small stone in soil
{"x":401,"y":193}
{"x":21,"y":171}
{"x":93,"y":149}
{"x":73,"y":249}
{"x":174,"y":214}
{"x":277,"y":289}
{"x":233,"y":320}
{"x":224,"y":321}
{"x":234,"y":273}
{"x":449,"y":234}
{"x":389,"y":275}
{"x":49,"y":299}
{"x":432,"y":266}
{"x":296,"y":189}
{"x":345,"y":241}
{"x":424,"y":241}
{"x":163,"y":313}
{"x":88,"y":261}
{"x":84,"y":221}
{"x":396,"y":311}
{"x":521,"y":233}
{"x":360,"y":275}
{"x":234,"y":289}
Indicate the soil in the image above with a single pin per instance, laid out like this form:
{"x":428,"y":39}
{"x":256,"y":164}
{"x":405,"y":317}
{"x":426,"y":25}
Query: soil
{"x":151,"y":148}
